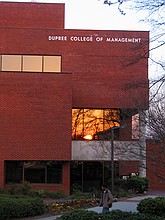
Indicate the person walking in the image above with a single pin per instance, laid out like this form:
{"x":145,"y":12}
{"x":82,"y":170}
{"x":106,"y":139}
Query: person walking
{"x":106,"y":198}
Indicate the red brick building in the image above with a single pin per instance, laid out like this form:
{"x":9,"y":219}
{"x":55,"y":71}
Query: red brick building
{"x":59,"y":88}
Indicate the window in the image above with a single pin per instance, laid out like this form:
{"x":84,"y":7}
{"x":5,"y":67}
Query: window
{"x":94,"y":123}
{"x":52,"y":64}
{"x":54,"y":172}
{"x":33,"y":172}
{"x":135,"y":126}
{"x":13,"y":171}
{"x":11,"y":63}
{"x":30,"y":63}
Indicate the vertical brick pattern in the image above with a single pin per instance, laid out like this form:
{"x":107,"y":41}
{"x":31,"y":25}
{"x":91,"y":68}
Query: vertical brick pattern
{"x":33,"y":15}
{"x":105,"y":75}
{"x":127,"y":167}
{"x":126,"y":132}
{"x":35,"y":115}
{"x":156,"y":164}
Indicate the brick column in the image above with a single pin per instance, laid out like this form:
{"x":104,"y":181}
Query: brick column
{"x":142,"y":144}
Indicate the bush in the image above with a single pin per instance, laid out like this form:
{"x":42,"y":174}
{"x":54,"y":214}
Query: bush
{"x":113,"y":215}
{"x":154,"y":206}
{"x":48,"y":194}
{"x":25,"y":189}
{"x":120,"y":215}
{"x":137,"y":184}
{"x":19,"y":207}
{"x":80,"y":214}
{"x":3,"y":191}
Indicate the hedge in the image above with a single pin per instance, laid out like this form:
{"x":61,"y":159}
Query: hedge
{"x":19,"y":207}
{"x":82,"y":214}
{"x":154,"y":206}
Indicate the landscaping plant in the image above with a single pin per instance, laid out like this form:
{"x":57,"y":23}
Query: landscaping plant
{"x":154,"y":206}
{"x":82,"y":214}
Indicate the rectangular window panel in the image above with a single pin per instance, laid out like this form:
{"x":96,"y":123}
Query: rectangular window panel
{"x":13,"y":172}
{"x":54,"y":172}
{"x":52,"y":64}
{"x":34,"y":171}
{"x":88,"y":124}
{"x":77,"y":124}
{"x":135,"y":126}
{"x":32,"y":63}
{"x":11,"y":63}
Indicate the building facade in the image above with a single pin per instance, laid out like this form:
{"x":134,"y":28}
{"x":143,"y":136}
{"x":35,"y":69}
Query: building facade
{"x":67,"y":97}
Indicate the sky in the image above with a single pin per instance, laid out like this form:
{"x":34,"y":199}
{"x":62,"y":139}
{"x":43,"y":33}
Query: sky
{"x":94,"y":15}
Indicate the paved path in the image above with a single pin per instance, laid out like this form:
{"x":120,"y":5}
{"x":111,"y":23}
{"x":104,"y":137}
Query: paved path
{"x":128,"y":205}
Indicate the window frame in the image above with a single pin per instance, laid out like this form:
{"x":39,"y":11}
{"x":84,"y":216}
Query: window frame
{"x":59,"y":175}
{"x":41,"y":69}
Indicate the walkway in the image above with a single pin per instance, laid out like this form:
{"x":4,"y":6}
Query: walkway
{"x":128,"y":205}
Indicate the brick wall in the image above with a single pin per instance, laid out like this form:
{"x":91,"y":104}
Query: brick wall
{"x":105,"y":75}
{"x":31,"y":14}
{"x":35,"y":114}
{"x":128,"y":167}
{"x":156,"y":164}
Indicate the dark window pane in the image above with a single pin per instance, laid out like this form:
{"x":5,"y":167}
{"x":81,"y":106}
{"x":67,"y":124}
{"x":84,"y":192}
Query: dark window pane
{"x":13,"y":171}
{"x":34,"y":171}
{"x":54,"y":172}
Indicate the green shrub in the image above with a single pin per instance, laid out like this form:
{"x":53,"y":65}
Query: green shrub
{"x":79,"y":214}
{"x":3,"y":191}
{"x":137,"y":184}
{"x":120,"y":215}
{"x":113,"y":215}
{"x":76,"y":188}
{"x":119,"y":184}
{"x":154,"y":206}
{"x":20,"y":207}
{"x":25,"y":189}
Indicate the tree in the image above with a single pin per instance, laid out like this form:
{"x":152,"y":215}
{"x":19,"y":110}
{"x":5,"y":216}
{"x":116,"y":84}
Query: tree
{"x":154,"y":15}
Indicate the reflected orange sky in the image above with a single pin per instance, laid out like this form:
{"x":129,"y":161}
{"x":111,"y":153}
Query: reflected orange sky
{"x":87,"y":122}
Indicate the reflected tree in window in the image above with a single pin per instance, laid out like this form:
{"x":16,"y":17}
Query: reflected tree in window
{"x":93,"y":123}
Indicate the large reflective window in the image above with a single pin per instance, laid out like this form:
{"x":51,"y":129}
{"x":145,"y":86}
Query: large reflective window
{"x":33,"y":171}
{"x":52,"y":64}
{"x":11,"y":63}
{"x":32,"y":63}
{"x":94,"y":123}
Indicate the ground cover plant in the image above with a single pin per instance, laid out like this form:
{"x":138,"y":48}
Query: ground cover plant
{"x":82,"y":214}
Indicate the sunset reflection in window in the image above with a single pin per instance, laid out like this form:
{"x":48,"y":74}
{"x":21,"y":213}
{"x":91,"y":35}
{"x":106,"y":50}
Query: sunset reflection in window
{"x":89,"y":124}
